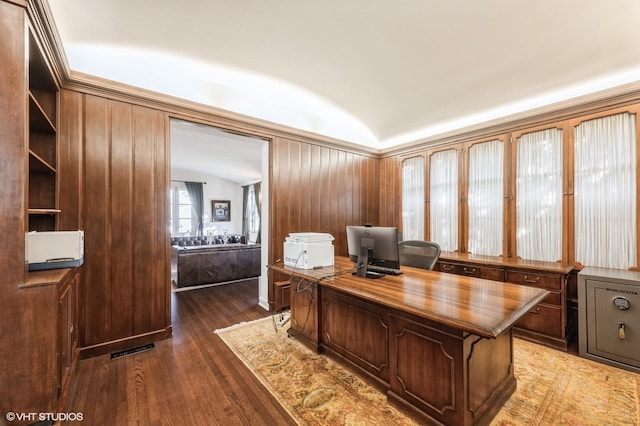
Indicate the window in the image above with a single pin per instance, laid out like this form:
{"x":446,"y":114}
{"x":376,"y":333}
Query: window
{"x":443,"y":199}
{"x":253,"y":214}
{"x":413,"y":198}
{"x":605,"y":191}
{"x":539,"y":195}
{"x":485,"y":198}
{"x":182,"y":220}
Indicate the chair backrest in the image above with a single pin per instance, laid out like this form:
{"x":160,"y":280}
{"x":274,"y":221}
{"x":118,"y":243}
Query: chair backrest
{"x":419,"y":254}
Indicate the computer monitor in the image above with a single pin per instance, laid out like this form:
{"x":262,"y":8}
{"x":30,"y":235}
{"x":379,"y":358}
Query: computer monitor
{"x":373,"y":245}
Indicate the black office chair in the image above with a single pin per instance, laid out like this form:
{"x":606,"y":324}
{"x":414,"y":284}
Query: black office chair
{"x":419,"y":254}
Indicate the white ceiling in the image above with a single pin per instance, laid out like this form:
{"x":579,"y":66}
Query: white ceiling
{"x":207,"y":151}
{"x":373,"y":72}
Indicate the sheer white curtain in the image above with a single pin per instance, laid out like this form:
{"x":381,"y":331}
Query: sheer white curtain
{"x":605,"y":191}
{"x":485,"y":198}
{"x":443,"y":199}
{"x":539,"y":195}
{"x":413,"y":198}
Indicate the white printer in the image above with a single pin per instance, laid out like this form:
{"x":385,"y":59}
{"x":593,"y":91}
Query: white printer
{"x":54,"y":249}
{"x":308,"y":250}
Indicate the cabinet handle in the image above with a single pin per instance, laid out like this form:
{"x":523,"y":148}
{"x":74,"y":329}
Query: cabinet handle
{"x":447,"y":268}
{"x":536,"y":311}
{"x":469,"y":270}
{"x":621,"y":334}
{"x":531,"y":281}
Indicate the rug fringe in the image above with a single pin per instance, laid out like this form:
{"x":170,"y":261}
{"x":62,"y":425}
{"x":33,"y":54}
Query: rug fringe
{"x":240,"y":324}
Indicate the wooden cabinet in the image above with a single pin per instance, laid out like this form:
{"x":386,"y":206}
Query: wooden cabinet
{"x":545,"y":323}
{"x":42,"y":141}
{"x":67,"y":350}
{"x":548,"y":321}
{"x":51,"y":298}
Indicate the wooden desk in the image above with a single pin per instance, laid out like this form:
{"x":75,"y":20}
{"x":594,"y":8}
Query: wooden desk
{"x":550,"y":322}
{"x":436,"y":343}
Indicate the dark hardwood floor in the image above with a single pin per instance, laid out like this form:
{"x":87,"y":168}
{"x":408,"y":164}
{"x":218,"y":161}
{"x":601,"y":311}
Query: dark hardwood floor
{"x":190,"y":379}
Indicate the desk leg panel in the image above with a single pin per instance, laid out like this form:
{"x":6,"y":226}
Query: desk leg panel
{"x":304,"y":312}
{"x":356,"y":330}
{"x":451,"y":376}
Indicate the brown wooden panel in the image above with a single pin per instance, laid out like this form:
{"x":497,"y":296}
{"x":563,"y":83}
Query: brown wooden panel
{"x":319,"y":189}
{"x":70,"y":161}
{"x":426,"y":369}
{"x":389,"y":193}
{"x":304,"y":311}
{"x":150,"y":278}
{"x":126,"y":287}
{"x":39,"y":341}
{"x":160,"y":308}
{"x":97,"y":260}
{"x":121,"y":212}
{"x":42,"y":191}
{"x":490,"y":367}
{"x":365,"y":342}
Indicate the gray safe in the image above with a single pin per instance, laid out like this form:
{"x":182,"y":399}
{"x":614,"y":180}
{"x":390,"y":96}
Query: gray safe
{"x":609,"y":317}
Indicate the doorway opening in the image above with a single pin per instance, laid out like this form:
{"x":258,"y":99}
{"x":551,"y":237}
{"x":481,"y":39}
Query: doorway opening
{"x":219,"y":198}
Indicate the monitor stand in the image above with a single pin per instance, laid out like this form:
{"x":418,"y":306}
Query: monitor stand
{"x":361,"y":265}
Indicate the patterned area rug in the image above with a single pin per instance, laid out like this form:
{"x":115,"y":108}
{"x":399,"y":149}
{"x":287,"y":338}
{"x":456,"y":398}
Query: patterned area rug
{"x":554,"y":388}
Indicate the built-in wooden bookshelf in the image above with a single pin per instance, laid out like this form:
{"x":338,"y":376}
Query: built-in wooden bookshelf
{"x":43,"y":148}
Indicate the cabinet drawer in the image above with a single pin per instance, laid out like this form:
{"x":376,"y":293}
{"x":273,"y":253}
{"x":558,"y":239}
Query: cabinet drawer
{"x":553,"y":282}
{"x":493,"y":274}
{"x":543,"y":319}
{"x":469,"y":271}
{"x":450,"y":268}
{"x":553,"y":298}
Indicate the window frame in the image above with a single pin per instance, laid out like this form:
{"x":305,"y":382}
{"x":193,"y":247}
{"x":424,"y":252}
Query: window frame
{"x":174,"y":209}
{"x":460,"y":195}
{"x":506,"y":173}
{"x":566,"y":184}
{"x":571,"y":231}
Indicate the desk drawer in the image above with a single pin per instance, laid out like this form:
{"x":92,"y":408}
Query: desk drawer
{"x":553,"y":282}
{"x":543,"y":319}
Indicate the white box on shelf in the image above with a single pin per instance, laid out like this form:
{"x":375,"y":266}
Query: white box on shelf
{"x":54,"y":249}
{"x":308,"y":250}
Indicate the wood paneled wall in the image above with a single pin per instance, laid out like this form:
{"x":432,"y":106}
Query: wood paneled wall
{"x":314,"y":188}
{"x":115,"y":156}
{"x":390,"y":192}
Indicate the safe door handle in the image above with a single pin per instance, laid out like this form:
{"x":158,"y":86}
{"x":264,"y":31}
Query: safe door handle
{"x":621,"y":334}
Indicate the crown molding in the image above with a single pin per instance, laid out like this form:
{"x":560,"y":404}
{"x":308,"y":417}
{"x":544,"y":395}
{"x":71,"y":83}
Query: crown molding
{"x":206,"y":114}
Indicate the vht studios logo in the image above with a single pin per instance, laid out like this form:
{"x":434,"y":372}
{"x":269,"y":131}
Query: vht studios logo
{"x":43,"y":417}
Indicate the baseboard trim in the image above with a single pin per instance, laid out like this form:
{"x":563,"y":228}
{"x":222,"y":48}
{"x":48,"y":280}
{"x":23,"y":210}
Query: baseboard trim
{"x":126,"y":343}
